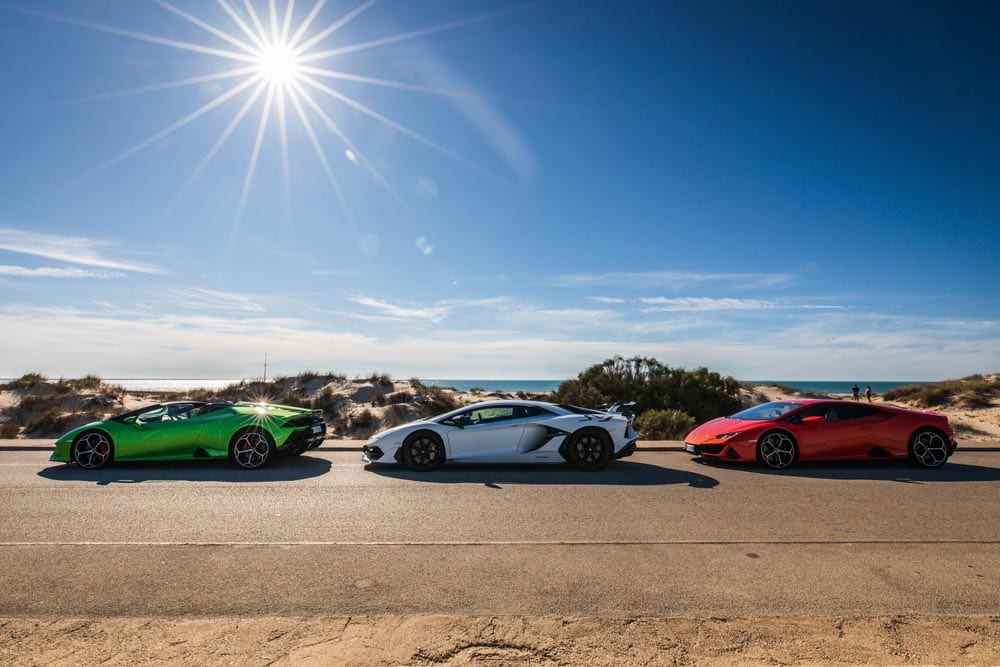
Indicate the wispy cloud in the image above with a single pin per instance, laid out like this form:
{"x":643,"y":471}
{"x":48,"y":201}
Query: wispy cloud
{"x":669,"y":279}
{"x":663,"y":304}
{"x":57,"y":272}
{"x":72,"y":249}
{"x":411,"y":312}
{"x":392,"y":311}
{"x":204,"y":299}
{"x":606,"y":299}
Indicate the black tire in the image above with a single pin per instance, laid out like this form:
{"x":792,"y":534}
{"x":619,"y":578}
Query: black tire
{"x":251,"y":448}
{"x":423,"y":451}
{"x":777,"y":450}
{"x":92,"y":450}
{"x":589,"y":449}
{"x":928,"y":448}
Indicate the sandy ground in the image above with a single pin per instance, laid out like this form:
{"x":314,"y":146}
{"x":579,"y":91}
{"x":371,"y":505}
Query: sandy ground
{"x":504,"y":640}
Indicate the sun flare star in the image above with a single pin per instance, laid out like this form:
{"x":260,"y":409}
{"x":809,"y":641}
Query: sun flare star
{"x":275,"y":62}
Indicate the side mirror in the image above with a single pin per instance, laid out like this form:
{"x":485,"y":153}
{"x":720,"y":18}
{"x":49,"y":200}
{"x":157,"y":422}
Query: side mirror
{"x":813,"y":419}
{"x":459,"y":421}
{"x":132,"y":421}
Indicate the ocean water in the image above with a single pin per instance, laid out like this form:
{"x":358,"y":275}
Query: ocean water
{"x":171,"y":384}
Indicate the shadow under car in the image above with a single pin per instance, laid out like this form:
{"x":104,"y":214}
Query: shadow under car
{"x":279,"y":470}
{"x":620,"y":473}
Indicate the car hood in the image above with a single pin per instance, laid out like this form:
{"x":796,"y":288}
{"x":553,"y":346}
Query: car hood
{"x":397,"y":430}
{"x":709,"y":430}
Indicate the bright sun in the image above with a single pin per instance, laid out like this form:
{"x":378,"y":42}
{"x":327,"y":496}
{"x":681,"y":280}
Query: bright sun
{"x":281,"y":61}
{"x":278,"y":64}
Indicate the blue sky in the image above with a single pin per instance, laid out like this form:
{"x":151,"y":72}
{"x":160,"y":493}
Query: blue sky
{"x":459,"y":189}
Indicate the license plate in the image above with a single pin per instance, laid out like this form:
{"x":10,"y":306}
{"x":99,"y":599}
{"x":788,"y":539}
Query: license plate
{"x":318,"y":428}
{"x":690,"y":449}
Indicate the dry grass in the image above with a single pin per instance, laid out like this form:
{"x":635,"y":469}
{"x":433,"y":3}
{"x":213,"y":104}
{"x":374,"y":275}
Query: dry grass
{"x":974,"y":391}
{"x":26,"y":381}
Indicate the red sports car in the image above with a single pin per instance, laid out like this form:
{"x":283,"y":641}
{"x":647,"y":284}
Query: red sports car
{"x":780,"y":433}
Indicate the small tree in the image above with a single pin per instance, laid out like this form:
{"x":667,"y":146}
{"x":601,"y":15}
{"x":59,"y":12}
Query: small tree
{"x":701,"y":393}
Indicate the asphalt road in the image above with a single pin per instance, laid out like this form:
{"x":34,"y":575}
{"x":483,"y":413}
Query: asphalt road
{"x":657,"y":534}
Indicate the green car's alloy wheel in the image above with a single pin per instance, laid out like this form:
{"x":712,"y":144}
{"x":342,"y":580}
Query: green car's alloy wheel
{"x":92,"y":450}
{"x":252,"y":449}
{"x":590,"y":450}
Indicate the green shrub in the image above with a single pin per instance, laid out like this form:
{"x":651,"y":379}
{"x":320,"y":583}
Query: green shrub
{"x":700,"y":393}
{"x":664,"y":424}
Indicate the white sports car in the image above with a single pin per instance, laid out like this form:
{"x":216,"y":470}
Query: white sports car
{"x":508,"y":432}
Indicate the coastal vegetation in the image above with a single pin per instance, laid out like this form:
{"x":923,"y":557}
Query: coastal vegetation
{"x":973,"y":391}
{"x":701,"y":394}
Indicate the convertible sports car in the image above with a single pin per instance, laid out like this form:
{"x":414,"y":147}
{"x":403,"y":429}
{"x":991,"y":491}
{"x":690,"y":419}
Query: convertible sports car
{"x":248,"y":433}
{"x":780,"y":433}
{"x":508,"y":432}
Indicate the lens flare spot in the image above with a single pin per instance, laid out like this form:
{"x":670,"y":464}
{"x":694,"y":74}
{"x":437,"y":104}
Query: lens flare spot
{"x":425,"y":246}
{"x":351,"y":156}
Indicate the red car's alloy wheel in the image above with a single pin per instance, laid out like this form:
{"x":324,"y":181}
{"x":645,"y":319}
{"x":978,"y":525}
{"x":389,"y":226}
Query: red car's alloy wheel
{"x":776,"y":450}
{"x":929,"y":449}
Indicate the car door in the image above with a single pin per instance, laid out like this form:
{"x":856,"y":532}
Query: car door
{"x":866,"y":422}
{"x":832,"y":435}
{"x":168,"y":431}
{"x":488,"y":432}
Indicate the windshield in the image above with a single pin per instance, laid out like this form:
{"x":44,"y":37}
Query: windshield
{"x":767,"y":411}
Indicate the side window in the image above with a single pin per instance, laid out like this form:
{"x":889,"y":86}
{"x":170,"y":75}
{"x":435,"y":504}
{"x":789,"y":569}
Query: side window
{"x":868,"y":411}
{"x":491,"y":415}
{"x":811,"y":411}
{"x":155,"y":414}
{"x":847,"y":411}
{"x":182,"y":411}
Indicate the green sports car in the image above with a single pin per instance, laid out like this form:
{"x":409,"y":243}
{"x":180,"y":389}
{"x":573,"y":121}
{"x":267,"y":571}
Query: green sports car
{"x":250,"y":434}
